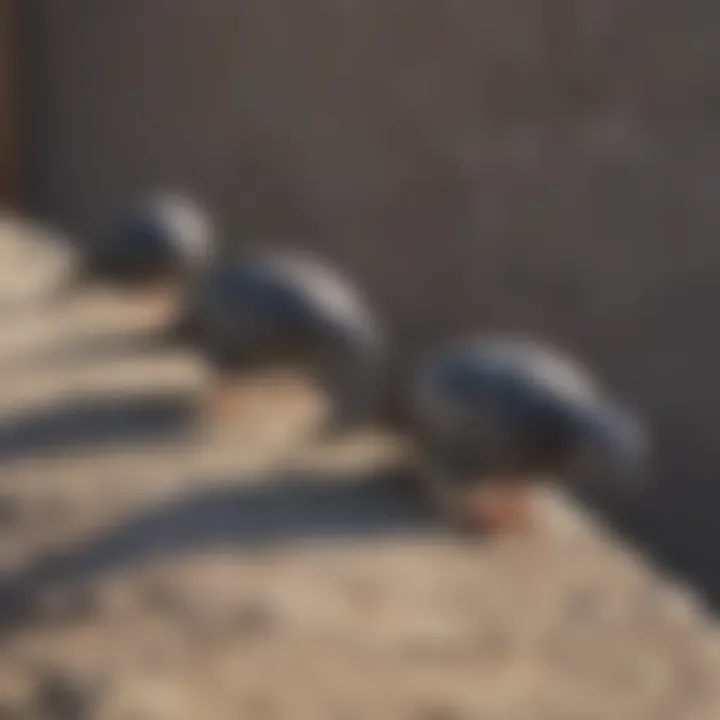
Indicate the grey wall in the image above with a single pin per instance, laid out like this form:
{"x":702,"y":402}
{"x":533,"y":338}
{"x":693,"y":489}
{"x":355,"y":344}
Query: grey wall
{"x":544,"y":164}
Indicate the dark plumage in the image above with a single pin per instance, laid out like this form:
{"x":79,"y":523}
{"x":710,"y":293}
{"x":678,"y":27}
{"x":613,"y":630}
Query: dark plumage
{"x":167,"y":237}
{"x":288,"y":307}
{"x":515,"y":409}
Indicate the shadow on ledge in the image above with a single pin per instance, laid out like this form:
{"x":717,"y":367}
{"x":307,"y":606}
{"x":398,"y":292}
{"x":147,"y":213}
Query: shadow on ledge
{"x":285,"y":509}
{"x":89,"y":422}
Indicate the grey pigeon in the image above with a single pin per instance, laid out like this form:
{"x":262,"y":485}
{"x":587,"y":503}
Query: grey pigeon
{"x":288,"y":306}
{"x":164,"y":239}
{"x":512,"y":409}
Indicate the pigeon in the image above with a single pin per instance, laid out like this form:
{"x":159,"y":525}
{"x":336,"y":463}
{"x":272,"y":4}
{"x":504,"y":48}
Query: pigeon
{"x":160,"y":245}
{"x":495,"y":416}
{"x":283,"y":306}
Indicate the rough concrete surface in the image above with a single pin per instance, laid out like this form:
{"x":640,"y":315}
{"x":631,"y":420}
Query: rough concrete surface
{"x":183,"y":572}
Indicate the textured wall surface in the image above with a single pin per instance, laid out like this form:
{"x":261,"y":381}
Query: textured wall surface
{"x":542,"y":164}
{"x":8,"y":104}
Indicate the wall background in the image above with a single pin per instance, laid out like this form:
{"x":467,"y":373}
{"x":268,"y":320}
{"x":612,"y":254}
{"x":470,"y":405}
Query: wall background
{"x":9,"y":105}
{"x":543,"y":164}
